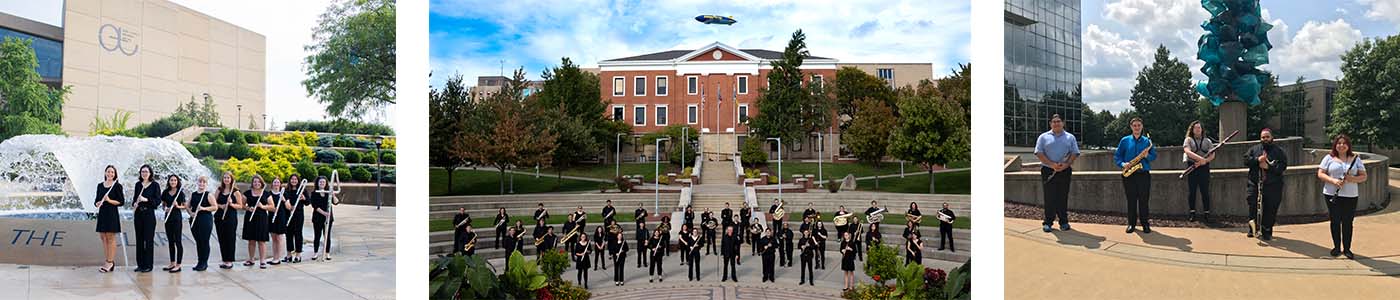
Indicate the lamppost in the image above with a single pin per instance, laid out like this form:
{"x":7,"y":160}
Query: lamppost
{"x":378,"y":174}
{"x":265,"y":125}
{"x":685,"y":142}
{"x":239,"y":115}
{"x":780,"y":167}
{"x":656,"y":175}
{"x":617,"y":157}
{"x":821,"y":145}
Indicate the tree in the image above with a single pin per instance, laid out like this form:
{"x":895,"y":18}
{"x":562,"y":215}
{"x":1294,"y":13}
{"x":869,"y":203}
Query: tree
{"x":869,"y":134}
{"x":958,"y":88}
{"x":574,"y":111}
{"x":852,"y":85}
{"x":449,"y":110}
{"x":1164,"y":96}
{"x":507,"y":134}
{"x":203,"y":115}
{"x":787,"y":109}
{"x":351,"y":68}
{"x":931,"y":132}
{"x":1119,"y":127}
{"x":1093,"y":127}
{"x":1366,"y":103}
{"x":27,"y":106}
{"x":673,"y":152}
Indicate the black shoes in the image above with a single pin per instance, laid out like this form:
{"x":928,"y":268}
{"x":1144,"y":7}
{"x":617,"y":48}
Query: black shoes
{"x":1335,"y":252}
{"x":200,"y":268}
{"x":1349,"y":254}
{"x":1205,"y":218}
{"x":1146,"y":229}
{"x":1131,"y":229}
{"x":1191,"y":216}
{"x":1267,"y":235}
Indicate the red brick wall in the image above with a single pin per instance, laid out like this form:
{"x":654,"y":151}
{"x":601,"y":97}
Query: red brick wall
{"x":716,"y":118}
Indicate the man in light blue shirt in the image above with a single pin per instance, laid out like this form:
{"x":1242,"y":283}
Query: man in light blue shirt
{"x":1137,"y":187}
{"x":1057,"y":151}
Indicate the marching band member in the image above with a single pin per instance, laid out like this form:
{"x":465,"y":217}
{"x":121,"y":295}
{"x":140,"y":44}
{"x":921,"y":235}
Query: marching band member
{"x":945,"y":228}
{"x":848,"y":261}
{"x":691,"y":254}
{"x":581,"y":217}
{"x":321,"y":218}
{"x":841,"y":229}
{"x":1196,"y":151}
{"x":256,"y":221}
{"x":580,"y":253}
{"x":641,"y":217}
{"x":917,"y":216}
{"x":618,"y":249}
{"x":540,"y":213}
{"x":1341,"y":171}
{"x":469,"y":238}
{"x":203,"y":209}
{"x":689,"y":217}
{"x":665,"y":235}
{"x":658,"y":253}
{"x":809,"y":213}
{"x":609,"y":213}
{"x":570,"y":226}
{"x":276,"y":225}
{"x":768,"y":244}
{"x":773,"y":214}
{"x":871,"y":212}
{"x":230,"y":200}
{"x":1137,"y":187}
{"x":913,"y":248}
{"x":808,"y":244}
{"x":756,"y":231}
{"x":296,"y":219}
{"x":599,"y":248}
{"x":726,"y":216}
{"x":510,"y":241}
{"x":744,"y":214}
{"x":547,"y":241}
{"x":685,"y":241}
{"x":820,"y":234}
{"x":872,"y":237}
{"x":785,"y":245}
{"x":173,"y":199}
{"x":501,"y":219}
{"x":642,"y":238}
{"x":1056,"y":149}
{"x":1266,"y":163}
{"x":460,"y":222}
{"x":109,"y":223}
{"x":147,"y":195}
{"x":730,"y":251}
{"x":519,"y":235}
{"x":707,"y":220}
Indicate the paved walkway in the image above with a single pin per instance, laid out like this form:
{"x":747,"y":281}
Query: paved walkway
{"x":363,"y":269}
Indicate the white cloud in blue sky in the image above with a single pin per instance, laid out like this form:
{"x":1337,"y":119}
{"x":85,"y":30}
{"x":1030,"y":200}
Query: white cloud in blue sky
{"x":475,"y":38}
{"x":1120,"y":37}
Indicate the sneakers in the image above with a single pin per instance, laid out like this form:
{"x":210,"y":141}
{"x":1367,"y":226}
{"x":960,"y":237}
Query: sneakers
{"x":1064,"y":227}
{"x":1045,"y":228}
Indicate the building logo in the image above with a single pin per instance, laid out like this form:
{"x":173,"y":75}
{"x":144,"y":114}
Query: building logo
{"x":117,"y":39}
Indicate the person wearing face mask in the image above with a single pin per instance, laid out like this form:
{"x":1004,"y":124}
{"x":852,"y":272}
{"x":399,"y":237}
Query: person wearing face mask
{"x":1266,"y":163}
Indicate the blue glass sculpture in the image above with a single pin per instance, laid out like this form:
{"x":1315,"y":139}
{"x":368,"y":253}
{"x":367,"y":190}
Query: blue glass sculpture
{"x":1235,"y":44}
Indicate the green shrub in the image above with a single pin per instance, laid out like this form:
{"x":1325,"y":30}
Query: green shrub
{"x":882,"y":262}
{"x":240,"y":149}
{"x":230,"y":135}
{"x":773,"y":179}
{"x":553,"y":263}
{"x":328,"y":156}
{"x":911,"y":282}
{"x":340,"y":126}
{"x":751,"y":173}
{"x":344,"y":141}
{"x":361,"y":174}
{"x":522,"y":277}
{"x":352,"y":156}
{"x":345,"y":174}
{"x":389,"y":158}
{"x":325,"y":141}
{"x":165,"y":126}
{"x":322,"y":171}
{"x":685,"y":173}
{"x":753,"y":153}
{"x":193,"y":149}
{"x":864,"y":291}
{"x":306,"y":169}
{"x":253,"y":138}
{"x":219,"y":149}
{"x":463,"y":277}
{"x":564,"y":290}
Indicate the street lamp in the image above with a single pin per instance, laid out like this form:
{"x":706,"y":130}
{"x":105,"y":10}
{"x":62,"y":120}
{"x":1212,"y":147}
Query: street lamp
{"x":239,"y":115}
{"x":617,"y":157}
{"x":685,"y":142}
{"x":821,"y":145}
{"x":656,"y":175}
{"x":378,"y":174}
{"x":780,"y":167}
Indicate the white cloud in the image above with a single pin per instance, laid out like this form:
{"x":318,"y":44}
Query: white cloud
{"x":1386,"y":10}
{"x":1108,"y":54}
{"x":1315,"y":51}
{"x":1174,"y":23}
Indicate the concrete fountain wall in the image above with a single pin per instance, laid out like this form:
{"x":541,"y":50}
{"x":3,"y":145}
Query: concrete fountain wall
{"x":1097,"y":184}
{"x":75,"y":243}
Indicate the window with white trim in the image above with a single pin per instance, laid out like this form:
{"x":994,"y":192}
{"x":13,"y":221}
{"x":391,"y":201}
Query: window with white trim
{"x":617,"y":111}
{"x":817,"y":80}
{"x":661,"y":115}
{"x":692,"y":113}
{"x":619,"y":86}
{"x":743,"y":113}
{"x":743,"y":85}
{"x":662,"y":85}
{"x":639,"y":115}
{"x":639,"y":84}
{"x":692,"y":85}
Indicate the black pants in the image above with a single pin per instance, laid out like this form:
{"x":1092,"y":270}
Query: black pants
{"x":1199,"y":180}
{"x":730,"y":272}
{"x":693,"y":266}
{"x":1273,"y":194}
{"x":500,"y":232}
{"x":319,"y":224}
{"x":457,"y":242}
{"x":617,"y":267}
{"x":1340,"y":212}
{"x":821,"y":254}
{"x":174,"y":235}
{"x":945,"y":233}
{"x":655,"y":268}
{"x":582,"y":276}
{"x":768,"y":267}
{"x":709,"y":242}
{"x":203,"y":226}
{"x":807,"y":274}
{"x":641,"y":255}
{"x":145,"y":223}
{"x":295,"y":237}
{"x":1056,"y":194}
{"x":598,"y":258}
{"x":1137,"y":189}
{"x":786,"y":257}
{"x":227,"y":228}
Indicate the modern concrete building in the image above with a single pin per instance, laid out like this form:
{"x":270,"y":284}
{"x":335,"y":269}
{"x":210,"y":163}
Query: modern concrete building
{"x":1315,"y":115}
{"x":486,"y":86}
{"x":713,"y":90}
{"x":1043,"y":67}
{"x":146,"y":57}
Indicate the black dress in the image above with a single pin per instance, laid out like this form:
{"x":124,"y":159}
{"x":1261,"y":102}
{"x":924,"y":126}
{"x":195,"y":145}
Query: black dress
{"x":279,"y":222}
{"x":848,"y":258}
{"x":108,"y":220}
{"x":255,"y":223}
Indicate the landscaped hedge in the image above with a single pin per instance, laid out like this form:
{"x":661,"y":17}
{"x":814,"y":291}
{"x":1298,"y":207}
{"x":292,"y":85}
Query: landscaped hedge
{"x":329,"y":156}
{"x":340,"y":126}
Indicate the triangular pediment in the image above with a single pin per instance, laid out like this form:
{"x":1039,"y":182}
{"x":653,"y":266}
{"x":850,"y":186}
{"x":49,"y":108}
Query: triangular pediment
{"x":717,"y":52}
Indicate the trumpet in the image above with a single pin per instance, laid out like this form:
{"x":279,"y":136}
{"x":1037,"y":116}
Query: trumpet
{"x":1136,"y":164}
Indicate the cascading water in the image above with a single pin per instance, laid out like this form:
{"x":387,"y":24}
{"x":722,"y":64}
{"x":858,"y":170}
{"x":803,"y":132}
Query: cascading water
{"x":51,"y":176}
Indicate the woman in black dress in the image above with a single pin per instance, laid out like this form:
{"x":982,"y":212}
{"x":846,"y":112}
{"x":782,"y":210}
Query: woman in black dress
{"x":255,"y":222}
{"x":913,"y":248}
{"x":848,"y":260}
{"x":226,"y":218}
{"x":202,"y":224}
{"x":321,"y":201}
{"x":109,"y":223}
{"x":173,"y":200}
{"x":293,"y":207}
{"x":145,"y":198}
{"x":277,"y":224}
{"x":580,"y":252}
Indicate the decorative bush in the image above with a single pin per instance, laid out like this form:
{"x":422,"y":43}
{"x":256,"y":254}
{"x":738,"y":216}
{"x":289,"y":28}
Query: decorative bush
{"x":911,"y":282}
{"x":231,"y":136}
{"x":882,"y":262}
{"x":344,"y":141}
{"x":553,"y":263}
{"x":340,"y":126}
{"x":345,"y":174}
{"x":564,"y":290}
{"x":866,"y":291}
{"x":239,"y":149}
{"x":753,"y":153}
{"x":685,"y":173}
{"x":361,"y":174}
{"x":328,"y":156}
{"x":663,"y":179}
{"x":218,"y":149}
{"x":389,"y":143}
{"x":389,"y":158}
{"x":252,"y":138}
{"x":463,"y":277}
{"x":306,"y":169}
{"x":623,"y":184}
{"x":751,"y":173}
{"x":244,"y":169}
{"x":325,"y":141}
{"x":352,"y":156}
{"x":522,"y":277}
{"x":293,"y":138}
{"x":284,"y":153}
{"x":322,"y":171}
{"x":773,"y":178}
{"x":193,"y":149}
{"x":165,"y":126}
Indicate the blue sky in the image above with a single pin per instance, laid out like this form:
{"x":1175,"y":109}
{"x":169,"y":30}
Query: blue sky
{"x":1121,"y":36}
{"x":475,"y":38}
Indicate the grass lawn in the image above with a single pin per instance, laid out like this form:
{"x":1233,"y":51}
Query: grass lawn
{"x":959,"y":182}
{"x":487,"y":182}
{"x":556,"y":218}
{"x":606,"y":171}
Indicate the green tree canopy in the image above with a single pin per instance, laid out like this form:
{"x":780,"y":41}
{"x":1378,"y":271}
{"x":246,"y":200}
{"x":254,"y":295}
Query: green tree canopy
{"x":1164,"y":97}
{"x":787,"y":109}
{"x":449,"y":110}
{"x":931,"y":132}
{"x":869,"y":134}
{"x":505,"y":133}
{"x":351,"y":68}
{"x":852,"y":85}
{"x":1367,"y":105}
{"x":27,"y":106}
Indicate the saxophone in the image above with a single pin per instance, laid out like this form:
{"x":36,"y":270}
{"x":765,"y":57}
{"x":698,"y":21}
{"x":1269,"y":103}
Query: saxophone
{"x":1136,"y":164}
{"x":469,"y":245}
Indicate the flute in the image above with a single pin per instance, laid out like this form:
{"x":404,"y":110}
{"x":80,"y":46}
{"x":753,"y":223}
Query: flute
{"x":107,"y":196}
{"x":296,"y":204}
{"x":1052,"y":174}
{"x":169,"y":209}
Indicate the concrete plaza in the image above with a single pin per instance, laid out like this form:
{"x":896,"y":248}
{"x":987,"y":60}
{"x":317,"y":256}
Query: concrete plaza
{"x":362,"y":269}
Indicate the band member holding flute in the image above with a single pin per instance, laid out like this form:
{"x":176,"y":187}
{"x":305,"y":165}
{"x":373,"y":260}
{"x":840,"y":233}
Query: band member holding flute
{"x":1056,"y":149}
{"x":294,"y":208}
{"x":580,"y":253}
{"x":691,"y":254}
{"x":618,"y":249}
{"x":459,"y":223}
{"x":658,"y":253}
{"x":1196,"y":151}
{"x":848,"y":261}
{"x":767,"y":244}
{"x":109,"y":223}
{"x":229,"y":201}
{"x":501,"y":219}
{"x":945,"y":228}
{"x":1266,"y":163}
{"x":277,"y":224}
{"x":202,"y":226}
{"x":321,"y":218}
{"x":173,"y":200}
{"x":1340,"y":172}
{"x":146,"y":198}
{"x":256,"y":221}
{"x":808,"y":244}
{"x":1135,"y":155}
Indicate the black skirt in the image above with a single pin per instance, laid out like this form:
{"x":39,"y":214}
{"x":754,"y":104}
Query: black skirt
{"x":848,"y":262}
{"x":255,"y":228}
{"x":108,"y":219}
